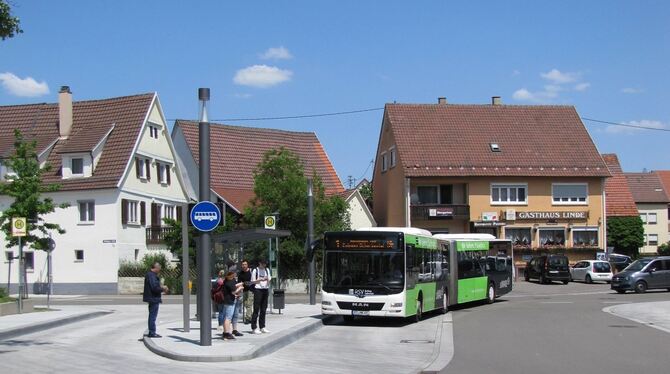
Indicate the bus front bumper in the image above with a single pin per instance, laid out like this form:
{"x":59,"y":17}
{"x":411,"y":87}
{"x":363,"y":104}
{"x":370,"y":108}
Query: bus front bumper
{"x":368,"y":306}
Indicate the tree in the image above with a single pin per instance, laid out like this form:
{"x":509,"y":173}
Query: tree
{"x":9,"y":25}
{"x":25,"y":185}
{"x":664,"y":249}
{"x":367,"y":192}
{"x":280,"y":186}
{"x":625,"y":234}
{"x":173,"y":237}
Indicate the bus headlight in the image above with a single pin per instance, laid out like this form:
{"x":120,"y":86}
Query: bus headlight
{"x":325,"y":303}
{"x":396,"y":305}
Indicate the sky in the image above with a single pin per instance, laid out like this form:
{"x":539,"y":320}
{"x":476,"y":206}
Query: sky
{"x":610,"y":59}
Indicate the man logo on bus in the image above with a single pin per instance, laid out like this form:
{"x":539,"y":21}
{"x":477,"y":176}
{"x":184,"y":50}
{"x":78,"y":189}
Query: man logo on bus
{"x":360,"y":293}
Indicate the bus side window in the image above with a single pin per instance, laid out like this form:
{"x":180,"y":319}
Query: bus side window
{"x":412,"y":272}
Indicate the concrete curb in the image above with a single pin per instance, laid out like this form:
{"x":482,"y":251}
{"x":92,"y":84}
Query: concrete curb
{"x":443,"y":349}
{"x":41,"y":326}
{"x":275,"y":342}
{"x":612,"y":310}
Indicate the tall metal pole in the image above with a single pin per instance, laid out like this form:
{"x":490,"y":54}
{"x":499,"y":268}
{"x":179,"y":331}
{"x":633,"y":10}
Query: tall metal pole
{"x":49,"y":270}
{"x":22,"y":270}
{"x":310,"y":238}
{"x":185,"y":277}
{"x":204,"y":254}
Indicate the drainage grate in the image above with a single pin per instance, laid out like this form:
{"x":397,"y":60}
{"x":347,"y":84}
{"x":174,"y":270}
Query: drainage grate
{"x":623,"y":326}
{"x":417,"y":341}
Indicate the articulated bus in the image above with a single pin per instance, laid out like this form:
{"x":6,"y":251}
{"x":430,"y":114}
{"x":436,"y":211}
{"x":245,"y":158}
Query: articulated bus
{"x":404,"y":272}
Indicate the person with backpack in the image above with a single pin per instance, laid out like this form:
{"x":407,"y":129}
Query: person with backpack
{"x":261,"y":278}
{"x":217,"y":299}
{"x":225,"y":293}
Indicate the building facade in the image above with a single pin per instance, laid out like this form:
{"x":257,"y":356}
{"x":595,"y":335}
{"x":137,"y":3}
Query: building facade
{"x":527,"y":173}
{"x":115,"y":162}
{"x":652,"y":203}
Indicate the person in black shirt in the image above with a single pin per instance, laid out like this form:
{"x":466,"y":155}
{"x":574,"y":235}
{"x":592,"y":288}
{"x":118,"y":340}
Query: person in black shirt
{"x":244,"y":276}
{"x":152,"y":295}
{"x":231,"y":290}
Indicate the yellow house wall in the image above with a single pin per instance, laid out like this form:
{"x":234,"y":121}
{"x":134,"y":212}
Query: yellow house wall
{"x":388,"y":187}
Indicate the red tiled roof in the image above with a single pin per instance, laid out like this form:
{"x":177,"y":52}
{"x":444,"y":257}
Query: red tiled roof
{"x":664,"y":175}
{"x":454,"y":140}
{"x":236,"y":151}
{"x":647,"y":188}
{"x":619,"y":200}
{"x":91,"y":121}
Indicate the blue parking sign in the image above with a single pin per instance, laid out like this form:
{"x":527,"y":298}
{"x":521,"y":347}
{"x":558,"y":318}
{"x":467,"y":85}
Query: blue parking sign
{"x":205,"y":216}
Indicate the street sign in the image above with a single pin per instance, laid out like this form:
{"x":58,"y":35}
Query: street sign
{"x":19,"y":226}
{"x":270,"y":222}
{"x":205,"y":216}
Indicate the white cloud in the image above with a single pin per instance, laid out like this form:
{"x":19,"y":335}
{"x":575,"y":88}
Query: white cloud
{"x":277,"y":53}
{"x":614,"y":129}
{"x":261,"y":76}
{"x":631,"y":90}
{"x":545,"y":96}
{"x":557,"y":77}
{"x":27,"y":87}
{"x":582,"y":86}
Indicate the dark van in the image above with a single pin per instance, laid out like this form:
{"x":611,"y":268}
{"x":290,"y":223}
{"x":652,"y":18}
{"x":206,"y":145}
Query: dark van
{"x":548,"y":268}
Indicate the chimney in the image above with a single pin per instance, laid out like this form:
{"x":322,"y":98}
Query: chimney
{"x":495,"y":100}
{"x":442,"y":100}
{"x":64,"y":111}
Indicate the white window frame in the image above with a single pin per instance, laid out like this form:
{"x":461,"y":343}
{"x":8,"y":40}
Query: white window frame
{"x":393,"y":158}
{"x":643,"y":217}
{"x":553,"y":228}
{"x":385,"y":165}
{"x":153,"y":131}
{"x":530,"y":234}
{"x":72,"y":167}
{"x":163,"y":172}
{"x":585,"y":229}
{"x":133,"y":212}
{"x":508,"y":186}
{"x":570,"y":202}
{"x":88,"y":220}
{"x":649,"y":219}
{"x":655,"y":242}
{"x":168,"y":211}
{"x":82,"y":255}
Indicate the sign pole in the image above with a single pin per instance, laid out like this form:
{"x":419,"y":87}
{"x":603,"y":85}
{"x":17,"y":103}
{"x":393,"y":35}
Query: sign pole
{"x":310,"y":238}
{"x":21,"y":271}
{"x":186,"y":292}
{"x":49,"y":270}
{"x":205,"y":238}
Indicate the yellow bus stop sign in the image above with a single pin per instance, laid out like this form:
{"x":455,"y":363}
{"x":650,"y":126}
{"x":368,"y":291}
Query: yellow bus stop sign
{"x":270,"y":222}
{"x":19,"y":226}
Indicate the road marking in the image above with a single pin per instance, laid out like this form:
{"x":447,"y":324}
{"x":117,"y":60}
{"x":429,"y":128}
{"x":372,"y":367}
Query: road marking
{"x":557,"y":302}
{"x":617,"y":302}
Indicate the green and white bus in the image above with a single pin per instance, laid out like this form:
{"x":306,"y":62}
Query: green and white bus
{"x":404,"y":272}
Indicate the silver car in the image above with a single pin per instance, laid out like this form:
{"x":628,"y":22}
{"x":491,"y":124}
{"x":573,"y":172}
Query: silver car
{"x":591,"y":271}
{"x":643,"y":274}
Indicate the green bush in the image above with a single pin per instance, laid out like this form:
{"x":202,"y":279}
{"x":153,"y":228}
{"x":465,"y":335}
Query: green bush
{"x":132,"y":269}
{"x":151,"y":258}
{"x":664,"y":249}
{"x":3,"y":293}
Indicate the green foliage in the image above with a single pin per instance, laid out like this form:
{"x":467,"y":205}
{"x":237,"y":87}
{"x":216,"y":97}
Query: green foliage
{"x":151,"y":258}
{"x":173,"y":237}
{"x":3,"y":293}
{"x":280,"y":185}
{"x":132,"y":269}
{"x":9,"y":25}
{"x":367,"y":192}
{"x":625,"y":234}
{"x":664,"y":249}
{"x":26,"y":187}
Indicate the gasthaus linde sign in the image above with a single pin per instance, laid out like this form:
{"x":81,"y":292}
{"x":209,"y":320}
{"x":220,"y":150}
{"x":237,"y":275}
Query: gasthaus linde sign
{"x":551,"y":215}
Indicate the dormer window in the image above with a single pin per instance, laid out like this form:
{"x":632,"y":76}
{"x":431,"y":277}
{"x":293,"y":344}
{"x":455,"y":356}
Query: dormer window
{"x":77,"y":166}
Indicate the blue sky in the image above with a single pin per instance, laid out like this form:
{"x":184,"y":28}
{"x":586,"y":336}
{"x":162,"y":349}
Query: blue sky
{"x":269,"y":58}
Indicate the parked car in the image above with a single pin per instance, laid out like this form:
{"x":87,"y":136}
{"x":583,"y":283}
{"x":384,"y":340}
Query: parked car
{"x":619,"y":262}
{"x":591,"y":271}
{"x":643,"y":274}
{"x":548,"y":268}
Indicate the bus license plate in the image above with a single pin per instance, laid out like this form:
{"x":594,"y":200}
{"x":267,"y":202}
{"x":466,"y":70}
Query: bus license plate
{"x":360,"y":313}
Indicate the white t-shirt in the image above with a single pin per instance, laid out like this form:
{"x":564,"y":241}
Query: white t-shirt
{"x":261,"y":273}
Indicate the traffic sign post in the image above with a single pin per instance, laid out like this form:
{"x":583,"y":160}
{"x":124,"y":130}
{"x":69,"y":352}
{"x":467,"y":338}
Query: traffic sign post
{"x":270,"y":222}
{"x":19,"y":230}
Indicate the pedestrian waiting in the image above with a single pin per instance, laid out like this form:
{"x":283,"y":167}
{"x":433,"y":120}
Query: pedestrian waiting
{"x":261,"y":278}
{"x":152,"y":296}
{"x":225,"y":293}
{"x":244,"y":276}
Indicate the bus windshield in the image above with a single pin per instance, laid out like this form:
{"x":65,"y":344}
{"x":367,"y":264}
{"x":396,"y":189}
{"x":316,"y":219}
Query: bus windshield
{"x":380,"y":272}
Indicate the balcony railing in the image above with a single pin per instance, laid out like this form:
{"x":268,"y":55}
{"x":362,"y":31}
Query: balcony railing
{"x":157,"y":234}
{"x":440,"y":211}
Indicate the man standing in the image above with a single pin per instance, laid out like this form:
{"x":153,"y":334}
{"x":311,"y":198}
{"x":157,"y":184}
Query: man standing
{"x":260,"y":277}
{"x":152,"y":296}
{"x":248,"y":295}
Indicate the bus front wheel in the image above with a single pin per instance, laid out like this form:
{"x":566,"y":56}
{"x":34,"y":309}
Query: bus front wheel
{"x":491,"y":294}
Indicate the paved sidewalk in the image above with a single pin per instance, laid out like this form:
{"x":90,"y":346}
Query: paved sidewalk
{"x":27,"y":323}
{"x":654,"y":314}
{"x":295,"y":322}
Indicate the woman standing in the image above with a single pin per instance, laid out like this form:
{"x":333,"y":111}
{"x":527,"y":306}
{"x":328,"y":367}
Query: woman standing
{"x":231,"y":291}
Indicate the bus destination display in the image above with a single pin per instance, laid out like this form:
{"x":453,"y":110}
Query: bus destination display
{"x":373,"y":244}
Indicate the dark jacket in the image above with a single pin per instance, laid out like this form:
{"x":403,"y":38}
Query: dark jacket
{"x":152,"y":288}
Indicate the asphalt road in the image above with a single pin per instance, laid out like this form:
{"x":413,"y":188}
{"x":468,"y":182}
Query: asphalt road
{"x":557,"y":329}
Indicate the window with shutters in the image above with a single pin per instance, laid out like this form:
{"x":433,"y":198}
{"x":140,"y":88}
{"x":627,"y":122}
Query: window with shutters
{"x":143,"y":168}
{"x":133,"y":212}
{"x":164,"y":173}
{"x":168,"y":211}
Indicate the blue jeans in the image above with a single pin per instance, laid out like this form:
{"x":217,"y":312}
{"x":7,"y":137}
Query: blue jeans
{"x":153,"y":313}
{"x":220,"y":313}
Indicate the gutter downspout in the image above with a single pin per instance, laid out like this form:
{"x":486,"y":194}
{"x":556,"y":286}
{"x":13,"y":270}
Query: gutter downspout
{"x":408,"y":220}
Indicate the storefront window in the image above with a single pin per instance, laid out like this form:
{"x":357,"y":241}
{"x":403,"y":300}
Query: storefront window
{"x":520,"y":237}
{"x":585,"y":237}
{"x":552,"y":237}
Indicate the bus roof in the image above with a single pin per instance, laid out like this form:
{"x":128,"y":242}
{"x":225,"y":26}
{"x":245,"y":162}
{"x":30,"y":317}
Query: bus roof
{"x":464,"y":236}
{"x":404,"y":230}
